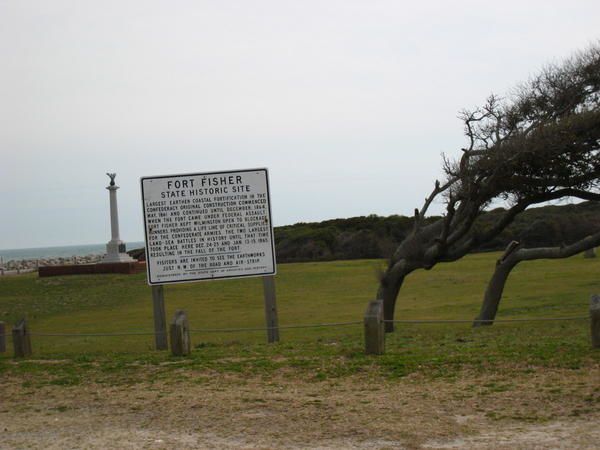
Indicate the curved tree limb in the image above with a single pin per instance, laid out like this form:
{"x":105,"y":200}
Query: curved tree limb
{"x":512,"y":256}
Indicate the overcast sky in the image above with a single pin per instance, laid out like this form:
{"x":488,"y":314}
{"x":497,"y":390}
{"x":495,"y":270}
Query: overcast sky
{"x":348,"y":103}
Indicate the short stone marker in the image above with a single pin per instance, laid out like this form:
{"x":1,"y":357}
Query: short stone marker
{"x":2,"y":337}
{"x":595,"y":320}
{"x":590,"y":253}
{"x":180,"y":334}
{"x":21,"y":339}
{"x":374,"y":329}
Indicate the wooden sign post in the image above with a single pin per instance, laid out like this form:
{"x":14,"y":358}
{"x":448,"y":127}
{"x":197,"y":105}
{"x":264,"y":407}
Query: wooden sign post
{"x":271,"y":318}
{"x":160,"y":318}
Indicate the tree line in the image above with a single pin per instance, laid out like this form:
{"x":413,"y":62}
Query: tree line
{"x":373,"y":236}
{"x":377,"y":237}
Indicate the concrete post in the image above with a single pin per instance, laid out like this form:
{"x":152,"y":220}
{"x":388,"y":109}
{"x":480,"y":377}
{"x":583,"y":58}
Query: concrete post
{"x":595,"y":320}
{"x":21,"y":339}
{"x":2,"y":337}
{"x":180,"y":335}
{"x":374,"y":329}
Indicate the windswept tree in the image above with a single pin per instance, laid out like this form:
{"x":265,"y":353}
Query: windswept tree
{"x":541,"y":143}
{"x":513,"y":255}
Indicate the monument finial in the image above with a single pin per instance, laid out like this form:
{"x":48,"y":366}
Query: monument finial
{"x":112,"y":178}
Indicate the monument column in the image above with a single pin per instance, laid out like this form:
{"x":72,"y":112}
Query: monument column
{"x":114,"y":212}
{"x":115,"y":249}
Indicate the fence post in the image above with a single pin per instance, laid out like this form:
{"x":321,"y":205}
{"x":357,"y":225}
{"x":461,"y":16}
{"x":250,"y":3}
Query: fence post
{"x":160,"y":318}
{"x":2,"y":337}
{"x":595,"y":320}
{"x":271,"y":309}
{"x":374,"y":328}
{"x":21,"y":339}
{"x":180,"y":334}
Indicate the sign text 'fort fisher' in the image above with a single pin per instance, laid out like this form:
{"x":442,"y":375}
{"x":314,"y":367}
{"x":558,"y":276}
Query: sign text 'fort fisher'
{"x":205,"y":226}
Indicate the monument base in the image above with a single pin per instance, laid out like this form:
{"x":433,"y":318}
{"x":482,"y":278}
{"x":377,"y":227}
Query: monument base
{"x":115,"y":252}
{"x":126,"y":268}
{"x":117,"y":258}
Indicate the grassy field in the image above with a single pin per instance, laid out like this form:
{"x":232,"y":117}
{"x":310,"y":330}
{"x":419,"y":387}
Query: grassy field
{"x":512,"y":385}
{"x":311,"y":293}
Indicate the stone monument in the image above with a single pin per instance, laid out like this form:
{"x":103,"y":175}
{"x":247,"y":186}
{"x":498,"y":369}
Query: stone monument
{"x":115,"y":249}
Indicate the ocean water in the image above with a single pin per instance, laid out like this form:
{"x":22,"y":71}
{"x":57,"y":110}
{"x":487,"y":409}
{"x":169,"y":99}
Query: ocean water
{"x":57,"y":252}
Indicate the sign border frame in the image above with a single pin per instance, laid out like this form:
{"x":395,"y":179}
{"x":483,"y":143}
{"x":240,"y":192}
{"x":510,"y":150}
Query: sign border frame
{"x":271,"y":227}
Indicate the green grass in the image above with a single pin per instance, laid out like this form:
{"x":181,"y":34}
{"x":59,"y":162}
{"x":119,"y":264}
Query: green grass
{"x":306,"y":293}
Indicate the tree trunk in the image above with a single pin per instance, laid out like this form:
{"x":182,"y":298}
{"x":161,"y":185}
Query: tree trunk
{"x":388,"y":292}
{"x":409,"y":256}
{"x":390,"y":284}
{"x":493,"y":293}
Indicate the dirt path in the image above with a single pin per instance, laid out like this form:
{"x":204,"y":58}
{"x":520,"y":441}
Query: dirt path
{"x":549,"y":409}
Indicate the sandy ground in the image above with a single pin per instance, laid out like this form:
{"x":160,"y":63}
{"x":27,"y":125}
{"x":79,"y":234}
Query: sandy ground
{"x":544,"y":409}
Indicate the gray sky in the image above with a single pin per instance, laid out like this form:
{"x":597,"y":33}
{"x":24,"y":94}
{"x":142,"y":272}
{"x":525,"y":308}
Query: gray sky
{"x":348,"y":103}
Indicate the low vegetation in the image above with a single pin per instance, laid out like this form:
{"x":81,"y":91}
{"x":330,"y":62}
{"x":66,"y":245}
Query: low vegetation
{"x":308,"y":293}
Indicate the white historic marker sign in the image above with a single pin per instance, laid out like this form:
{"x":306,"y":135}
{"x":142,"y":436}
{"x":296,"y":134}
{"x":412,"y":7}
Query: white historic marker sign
{"x":206,"y":226}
